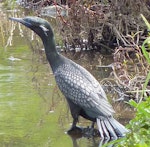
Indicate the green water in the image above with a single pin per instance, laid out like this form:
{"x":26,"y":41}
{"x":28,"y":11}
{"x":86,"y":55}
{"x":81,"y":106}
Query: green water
{"x":33,"y":112}
{"x":28,"y":114}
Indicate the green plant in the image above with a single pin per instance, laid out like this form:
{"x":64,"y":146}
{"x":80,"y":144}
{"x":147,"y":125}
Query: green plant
{"x":139,"y":135}
{"x":145,"y":50}
{"x":9,"y":4}
{"x":139,"y":127}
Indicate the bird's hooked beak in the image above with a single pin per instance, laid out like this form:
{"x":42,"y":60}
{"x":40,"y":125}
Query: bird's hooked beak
{"x":22,"y":21}
{"x":36,"y":24}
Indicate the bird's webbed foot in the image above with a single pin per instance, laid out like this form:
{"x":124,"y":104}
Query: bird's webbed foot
{"x":90,"y":131}
{"x":74,"y":128}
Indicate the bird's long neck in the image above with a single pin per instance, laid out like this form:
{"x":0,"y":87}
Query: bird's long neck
{"x":52,"y":55}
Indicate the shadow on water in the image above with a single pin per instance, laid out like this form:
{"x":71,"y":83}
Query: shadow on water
{"x":33,"y":111}
{"x":92,"y":141}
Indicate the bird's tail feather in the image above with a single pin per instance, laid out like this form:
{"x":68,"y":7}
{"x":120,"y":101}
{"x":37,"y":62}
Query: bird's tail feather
{"x":110,"y":128}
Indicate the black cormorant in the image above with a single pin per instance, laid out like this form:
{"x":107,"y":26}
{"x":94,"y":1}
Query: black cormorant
{"x":83,"y":92}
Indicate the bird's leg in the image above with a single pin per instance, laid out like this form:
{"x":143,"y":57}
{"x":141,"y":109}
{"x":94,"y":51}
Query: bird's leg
{"x":74,"y":129}
{"x":74,"y":123}
{"x":92,"y":125}
{"x":75,"y":111}
{"x":91,"y":129}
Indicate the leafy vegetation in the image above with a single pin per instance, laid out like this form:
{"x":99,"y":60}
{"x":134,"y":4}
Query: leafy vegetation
{"x":9,"y":4}
{"x":140,"y":126}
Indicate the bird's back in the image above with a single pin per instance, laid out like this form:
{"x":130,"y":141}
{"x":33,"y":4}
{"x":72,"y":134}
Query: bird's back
{"x":79,"y":86}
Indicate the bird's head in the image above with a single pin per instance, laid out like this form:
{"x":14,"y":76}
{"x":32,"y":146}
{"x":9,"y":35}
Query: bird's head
{"x":40,"y":26}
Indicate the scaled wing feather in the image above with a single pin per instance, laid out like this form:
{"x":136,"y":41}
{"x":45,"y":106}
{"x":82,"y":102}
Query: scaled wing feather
{"x":82,"y":89}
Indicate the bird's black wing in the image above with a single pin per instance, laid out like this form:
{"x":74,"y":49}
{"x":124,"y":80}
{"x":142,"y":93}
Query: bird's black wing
{"x":77,"y":84}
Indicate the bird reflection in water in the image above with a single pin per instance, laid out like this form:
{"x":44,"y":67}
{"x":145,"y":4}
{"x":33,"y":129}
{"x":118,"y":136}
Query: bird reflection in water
{"x":93,"y":140}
